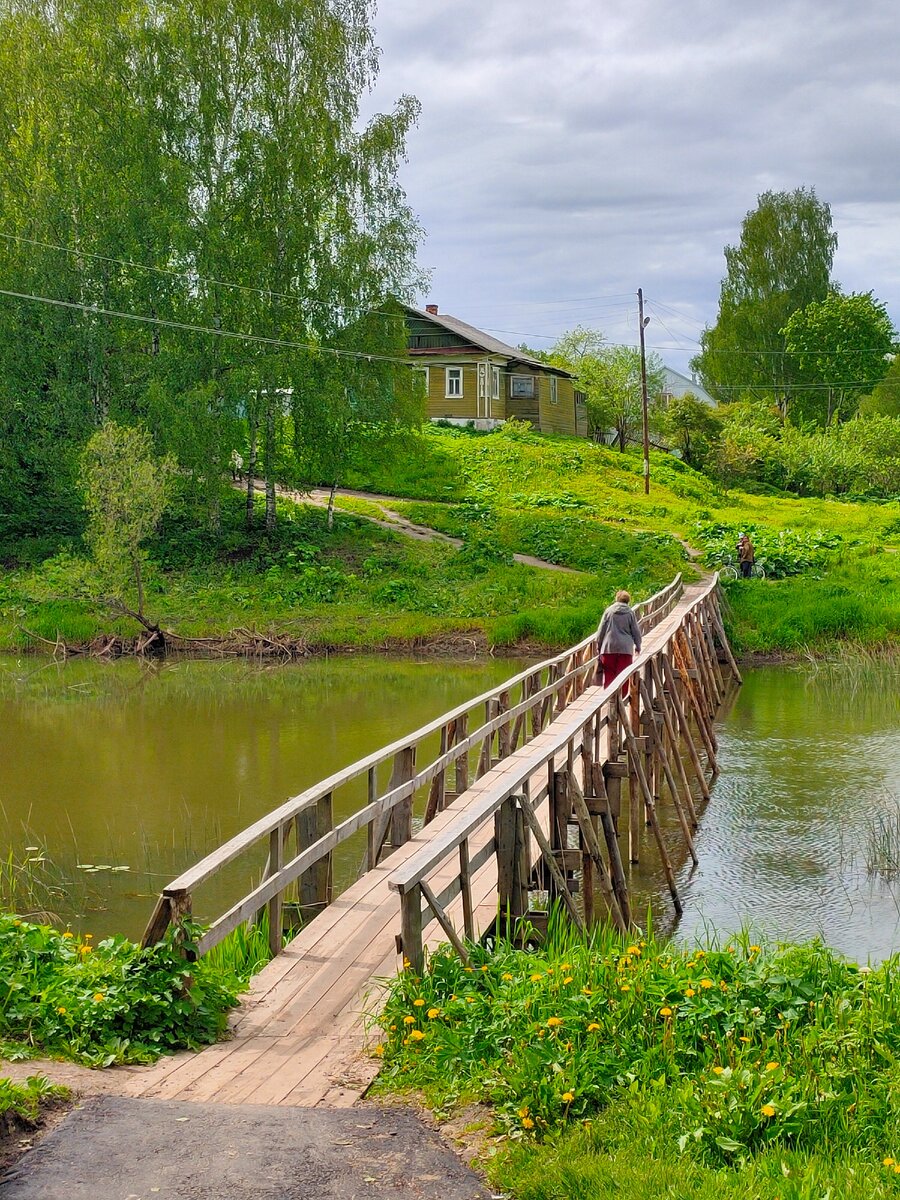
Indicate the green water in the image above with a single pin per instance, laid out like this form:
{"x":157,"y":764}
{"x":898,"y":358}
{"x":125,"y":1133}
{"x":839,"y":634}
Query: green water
{"x":150,"y":767}
{"x":142,"y":769}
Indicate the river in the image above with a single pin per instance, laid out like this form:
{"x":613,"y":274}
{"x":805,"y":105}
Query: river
{"x":116,"y":776}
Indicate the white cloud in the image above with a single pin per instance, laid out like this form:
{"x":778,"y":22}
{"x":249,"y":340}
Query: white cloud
{"x":571,"y":150}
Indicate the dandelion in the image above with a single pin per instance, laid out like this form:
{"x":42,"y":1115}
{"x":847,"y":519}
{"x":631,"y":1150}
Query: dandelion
{"x":84,"y":949}
{"x":527,"y":1123}
{"x":470,"y":999}
{"x":593,"y":1026}
{"x":484,"y":968}
{"x":689,"y":992}
{"x":523,"y":1112}
{"x":897,"y":1168}
{"x":468,"y":970}
{"x":772,"y":1066}
{"x":743,"y":1039}
{"x":507,"y":976}
{"x":378,"y":1050}
{"x":393,"y":1027}
{"x":633,"y":950}
{"x":98,"y":996}
{"x":416,"y":1035}
{"x":433,"y":1012}
{"x":61,"y":1011}
{"x":626,"y":987}
{"x":409,"y":1020}
{"x":706,"y":983}
{"x":536,"y":978}
{"x":729,"y":949}
{"x":68,"y":934}
{"x":420,"y":1003}
{"x":754,"y":949}
{"x":568,"y":979}
{"x":586,"y":991}
{"x":665,"y":1012}
{"x":887,"y":1162}
{"x":768,"y":1110}
{"x":554,"y":1022}
{"x":568,"y":1097}
{"x":406,"y":962}
{"x":718,"y":1070}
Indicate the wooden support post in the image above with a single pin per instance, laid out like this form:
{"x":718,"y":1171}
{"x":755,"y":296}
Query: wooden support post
{"x":465,"y":886}
{"x":549,"y":858}
{"x":682,"y":650}
{"x":723,"y":640}
{"x":503,"y":733}
{"x":403,"y":770}
{"x":445,"y":923}
{"x":484,"y":758}
{"x":411,"y":929}
{"x":709,"y":646}
{"x":276,"y":862}
{"x":634,"y":755}
{"x":632,"y":713}
{"x":512,"y":863}
{"x":592,"y":853}
{"x":664,"y":702}
{"x":315,"y":883}
{"x":607,"y":823}
{"x":660,"y":753}
{"x":438,"y":784}
{"x":158,"y":923}
{"x":375,"y":829}
{"x":684,"y":726}
{"x":462,"y":763}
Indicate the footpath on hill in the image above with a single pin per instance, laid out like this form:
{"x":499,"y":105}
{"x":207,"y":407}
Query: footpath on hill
{"x":112,"y":1148}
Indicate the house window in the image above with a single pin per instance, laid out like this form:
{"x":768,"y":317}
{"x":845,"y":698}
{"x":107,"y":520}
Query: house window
{"x":495,"y":383}
{"x":521,"y":387}
{"x":454,"y":386}
{"x":554,"y":390}
{"x":422,"y":373}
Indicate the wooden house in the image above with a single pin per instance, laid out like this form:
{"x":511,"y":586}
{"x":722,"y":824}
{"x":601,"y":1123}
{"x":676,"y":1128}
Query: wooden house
{"x":471,"y":377}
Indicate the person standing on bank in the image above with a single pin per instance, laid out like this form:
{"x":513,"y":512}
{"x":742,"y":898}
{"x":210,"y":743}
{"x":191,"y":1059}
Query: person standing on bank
{"x":618,"y":640}
{"x":746,"y":555}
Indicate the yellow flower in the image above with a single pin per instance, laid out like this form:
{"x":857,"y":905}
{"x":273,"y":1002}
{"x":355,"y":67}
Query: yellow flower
{"x":665,"y":1012}
{"x":484,"y":968}
{"x":593,"y":1025}
{"x":409,"y":1020}
{"x":379,"y":1049}
{"x":626,"y":987}
{"x":553,"y":1022}
{"x":536,"y":978}
{"x":434,"y":1012}
{"x":568,"y":979}
{"x":527,"y":1123}
{"x":743,"y":1039}
{"x":729,"y":949}
{"x":468,"y":970}
{"x":633,"y":950}
{"x":416,"y":1035}
{"x":470,"y":999}
{"x":60,"y":1010}
{"x":506,"y":975}
{"x":88,"y":936}
{"x":690,"y":992}
{"x":718,"y":1070}
{"x":98,"y":996}
{"x":887,"y":1162}
{"x":772,"y":1066}
{"x":568,"y":1097}
{"x":565,"y":966}
{"x":586,"y":991}
{"x":523,"y":1112}
{"x":706,"y":983}
{"x":393,"y":1027}
{"x":723,"y":985}
{"x":754,"y":949}
{"x":84,"y":949}
{"x":420,"y":1003}
{"x":68,"y":934}
{"x":768,"y":1110}
{"x":897,"y":1168}
{"x":692,"y":963}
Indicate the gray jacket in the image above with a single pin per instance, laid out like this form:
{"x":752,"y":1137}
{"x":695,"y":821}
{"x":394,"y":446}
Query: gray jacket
{"x":619,"y":631}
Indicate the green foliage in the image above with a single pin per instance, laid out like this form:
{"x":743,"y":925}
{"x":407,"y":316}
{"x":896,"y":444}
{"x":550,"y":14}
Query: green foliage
{"x":710,"y":1059}
{"x":884,"y":399}
{"x":111,"y":1003}
{"x":691,"y":427}
{"x":781,"y":264}
{"x":126,"y":490}
{"x":25,"y":1100}
{"x":787,"y":552}
{"x":841,"y":345}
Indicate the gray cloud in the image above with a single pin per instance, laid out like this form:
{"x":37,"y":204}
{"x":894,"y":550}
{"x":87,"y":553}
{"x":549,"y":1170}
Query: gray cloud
{"x":573,"y":151}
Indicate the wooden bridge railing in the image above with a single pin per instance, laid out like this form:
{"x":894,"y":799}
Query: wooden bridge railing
{"x":653,"y":740}
{"x":301,"y":836}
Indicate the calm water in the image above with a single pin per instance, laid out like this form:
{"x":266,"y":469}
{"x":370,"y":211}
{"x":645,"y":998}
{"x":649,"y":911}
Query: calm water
{"x":125,"y":765}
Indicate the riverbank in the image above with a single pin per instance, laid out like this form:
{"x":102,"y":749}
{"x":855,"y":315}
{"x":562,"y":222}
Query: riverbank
{"x":635,"y":1068}
{"x":833,"y":574}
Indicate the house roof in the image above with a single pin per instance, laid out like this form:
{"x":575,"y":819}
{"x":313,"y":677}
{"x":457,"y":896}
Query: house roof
{"x":680,"y":385}
{"x":484,"y":341}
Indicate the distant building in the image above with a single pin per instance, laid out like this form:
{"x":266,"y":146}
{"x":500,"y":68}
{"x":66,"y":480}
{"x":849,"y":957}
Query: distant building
{"x":676,"y":384}
{"x":471,"y":377}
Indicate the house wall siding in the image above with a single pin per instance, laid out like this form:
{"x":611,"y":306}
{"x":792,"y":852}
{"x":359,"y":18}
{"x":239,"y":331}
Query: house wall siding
{"x":559,"y":417}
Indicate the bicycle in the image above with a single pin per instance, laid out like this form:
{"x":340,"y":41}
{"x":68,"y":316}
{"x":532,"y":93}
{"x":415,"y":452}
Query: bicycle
{"x":729,"y":572}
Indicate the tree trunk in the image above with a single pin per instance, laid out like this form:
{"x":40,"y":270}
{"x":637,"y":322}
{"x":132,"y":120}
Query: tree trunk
{"x":252,"y":425}
{"x":330,"y":519}
{"x":269,"y":461}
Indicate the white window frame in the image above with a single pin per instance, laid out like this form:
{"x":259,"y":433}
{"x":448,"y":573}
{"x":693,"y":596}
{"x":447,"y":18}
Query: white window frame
{"x":516,"y":380}
{"x":456,"y":375}
{"x":554,"y":390}
{"x":424,"y":371}
{"x":495,"y":383}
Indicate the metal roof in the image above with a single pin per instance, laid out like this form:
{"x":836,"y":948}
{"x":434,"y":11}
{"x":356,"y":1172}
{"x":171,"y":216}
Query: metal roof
{"x":483,"y":340}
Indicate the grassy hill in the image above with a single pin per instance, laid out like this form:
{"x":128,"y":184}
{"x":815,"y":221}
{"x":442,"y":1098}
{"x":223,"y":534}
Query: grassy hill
{"x":833,"y":566}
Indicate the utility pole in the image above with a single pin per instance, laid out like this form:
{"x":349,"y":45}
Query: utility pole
{"x":644,"y":322}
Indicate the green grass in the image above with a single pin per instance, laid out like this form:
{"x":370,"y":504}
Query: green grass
{"x":643,"y":1069}
{"x":25,"y":1100}
{"x":564,"y":500}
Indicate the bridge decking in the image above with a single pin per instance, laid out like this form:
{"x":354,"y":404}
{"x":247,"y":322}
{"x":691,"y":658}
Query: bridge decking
{"x":299,"y":1035}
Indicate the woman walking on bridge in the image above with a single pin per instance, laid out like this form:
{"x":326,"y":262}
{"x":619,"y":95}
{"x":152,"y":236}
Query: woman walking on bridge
{"x":618,"y":640}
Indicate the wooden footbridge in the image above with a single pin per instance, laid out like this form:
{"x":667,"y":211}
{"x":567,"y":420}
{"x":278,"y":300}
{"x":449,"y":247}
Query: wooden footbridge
{"x":538,"y":789}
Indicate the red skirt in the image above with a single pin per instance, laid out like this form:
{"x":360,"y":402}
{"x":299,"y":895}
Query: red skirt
{"x":612,"y":666}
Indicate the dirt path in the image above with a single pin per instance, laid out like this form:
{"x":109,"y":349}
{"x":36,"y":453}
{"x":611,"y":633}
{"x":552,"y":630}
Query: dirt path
{"x":110,"y":1148}
{"x":395,"y":522}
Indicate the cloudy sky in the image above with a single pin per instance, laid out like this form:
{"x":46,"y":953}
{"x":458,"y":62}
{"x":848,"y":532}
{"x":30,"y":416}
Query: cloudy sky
{"x":570,"y":151}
